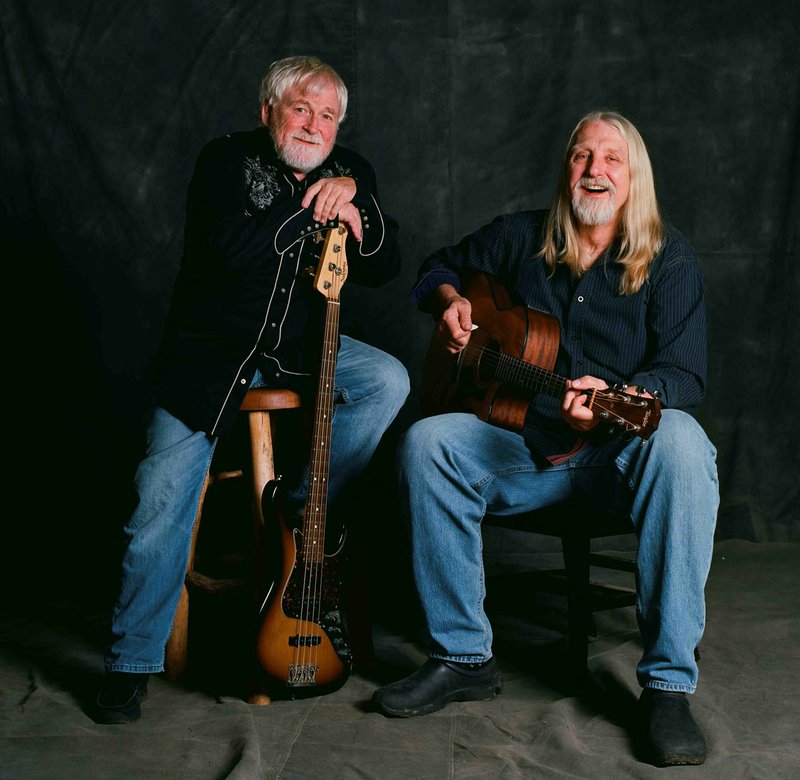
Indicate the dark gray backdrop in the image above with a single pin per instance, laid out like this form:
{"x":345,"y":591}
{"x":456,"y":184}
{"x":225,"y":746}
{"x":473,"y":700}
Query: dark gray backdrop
{"x":463,"y":108}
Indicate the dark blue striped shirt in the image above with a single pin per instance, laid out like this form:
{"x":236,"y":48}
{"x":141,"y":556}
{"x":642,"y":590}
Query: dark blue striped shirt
{"x":655,"y":338}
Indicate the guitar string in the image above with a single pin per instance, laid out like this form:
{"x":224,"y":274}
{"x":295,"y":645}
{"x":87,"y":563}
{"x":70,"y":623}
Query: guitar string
{"x":308,"y":653}
{"x":533,"y":377}
{"x":326,"y":427}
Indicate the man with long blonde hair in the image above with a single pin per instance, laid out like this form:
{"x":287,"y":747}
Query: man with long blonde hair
{"x":627,"y":294}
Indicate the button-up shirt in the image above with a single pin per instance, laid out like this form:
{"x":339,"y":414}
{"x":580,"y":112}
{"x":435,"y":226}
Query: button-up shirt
{"x":244,"y":298}
{"x":654,"y":338}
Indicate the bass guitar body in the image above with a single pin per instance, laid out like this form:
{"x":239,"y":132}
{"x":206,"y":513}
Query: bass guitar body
{"x":302,"y":642}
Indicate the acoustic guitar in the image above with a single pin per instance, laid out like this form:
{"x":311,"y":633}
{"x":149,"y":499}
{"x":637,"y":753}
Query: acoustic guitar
{"x":508,"y":359}
{"x":302,"y":642}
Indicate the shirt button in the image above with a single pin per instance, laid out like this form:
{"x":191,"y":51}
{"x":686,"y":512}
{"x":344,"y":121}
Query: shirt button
{"x":580,"y":299}
{"x":283,"y":289}
{"x":243,"y":381}
{"x":272,"y":324}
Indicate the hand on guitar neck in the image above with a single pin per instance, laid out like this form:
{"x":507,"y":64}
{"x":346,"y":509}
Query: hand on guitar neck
{"x":505,"y":354}
{"x":574,"y":409}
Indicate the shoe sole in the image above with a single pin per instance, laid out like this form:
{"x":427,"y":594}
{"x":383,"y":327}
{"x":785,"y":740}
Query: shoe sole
{"x":679,"y":760}
{"x":464,"y":695}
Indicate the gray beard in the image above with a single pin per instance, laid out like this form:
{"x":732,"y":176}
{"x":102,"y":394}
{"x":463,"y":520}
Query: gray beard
{"x":299,"y":156}
{"x":591,"y":211}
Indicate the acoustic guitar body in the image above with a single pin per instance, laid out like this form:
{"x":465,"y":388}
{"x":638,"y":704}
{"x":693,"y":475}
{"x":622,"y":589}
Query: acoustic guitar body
{"x":467,"y":382}
{"x":508,"y":360}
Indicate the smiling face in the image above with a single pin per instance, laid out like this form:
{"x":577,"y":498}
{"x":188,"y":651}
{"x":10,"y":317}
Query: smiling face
{"x":303,"y":124}
{"x":599,"y":174}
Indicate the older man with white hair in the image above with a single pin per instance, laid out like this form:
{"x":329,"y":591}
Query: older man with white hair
{"x":245,"y":314}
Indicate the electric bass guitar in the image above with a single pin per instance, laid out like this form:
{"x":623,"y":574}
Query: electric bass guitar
{"x":508,"y":359}
{"x":302,"y":642}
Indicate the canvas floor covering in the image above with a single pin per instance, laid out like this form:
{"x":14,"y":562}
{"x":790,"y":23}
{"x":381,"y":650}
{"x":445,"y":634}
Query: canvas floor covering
{"x":748,"y":701}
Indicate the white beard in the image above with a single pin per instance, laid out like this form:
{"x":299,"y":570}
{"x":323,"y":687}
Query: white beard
{"x":300,"y":156}
{"x":594,"y":211}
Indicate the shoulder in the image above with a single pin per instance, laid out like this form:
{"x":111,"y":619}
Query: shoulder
{"x":345,"y":162}
{"x":524,"y":226}
{"x":238,"y":145}
{"x":676,"y":248}
{"x":676,"y":262}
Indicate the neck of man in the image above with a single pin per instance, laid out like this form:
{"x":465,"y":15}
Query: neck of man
{"x":594,"y":240}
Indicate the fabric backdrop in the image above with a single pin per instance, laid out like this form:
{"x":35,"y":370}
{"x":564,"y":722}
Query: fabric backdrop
{"x":463,"y":108}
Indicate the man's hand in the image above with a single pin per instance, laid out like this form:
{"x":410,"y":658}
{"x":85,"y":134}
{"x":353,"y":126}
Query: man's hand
{"x":350,"y":216}
{"x":330,"y":196}
{"x":455,"y":324}
{"x":573,"y":409}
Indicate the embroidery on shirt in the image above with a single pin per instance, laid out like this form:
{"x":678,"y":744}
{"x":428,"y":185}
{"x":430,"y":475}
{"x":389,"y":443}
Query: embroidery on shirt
{"x":327,"y":173}
{"x":262,"y":182}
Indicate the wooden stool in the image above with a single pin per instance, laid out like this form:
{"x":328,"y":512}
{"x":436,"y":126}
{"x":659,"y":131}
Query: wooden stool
{"x":258,"y":404}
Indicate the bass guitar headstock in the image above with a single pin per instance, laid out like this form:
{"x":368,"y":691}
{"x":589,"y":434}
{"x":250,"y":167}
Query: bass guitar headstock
{"x":637,"y":415}
{"x":331,"y":271}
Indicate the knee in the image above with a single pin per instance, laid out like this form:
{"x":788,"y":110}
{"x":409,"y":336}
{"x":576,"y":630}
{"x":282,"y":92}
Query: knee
{"x":680,"y":435}
{"x":394,"y":377}
{"x":428,"y":447}
{"x":682,"y":456}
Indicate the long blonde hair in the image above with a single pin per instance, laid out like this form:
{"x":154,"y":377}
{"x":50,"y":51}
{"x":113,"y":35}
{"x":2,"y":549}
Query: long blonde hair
{"x":641,"y":230}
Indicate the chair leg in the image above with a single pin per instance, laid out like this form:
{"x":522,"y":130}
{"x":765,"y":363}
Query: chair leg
{"x":176,"y":652}
{"x":576,"y":546}
{"x":263,"y":464}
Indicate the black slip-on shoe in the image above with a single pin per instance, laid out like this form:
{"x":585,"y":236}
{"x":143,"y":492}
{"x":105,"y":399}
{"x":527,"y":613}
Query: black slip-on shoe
{"x":435,"y":684}
{"x":672,"y":736}
{"x":120,"y":698}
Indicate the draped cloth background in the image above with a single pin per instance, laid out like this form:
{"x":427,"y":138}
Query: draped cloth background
{"x":464,"y":110}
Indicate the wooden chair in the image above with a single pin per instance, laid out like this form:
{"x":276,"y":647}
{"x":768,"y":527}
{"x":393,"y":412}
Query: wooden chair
{"x":259,"y":405}
{"x":576,"y":524}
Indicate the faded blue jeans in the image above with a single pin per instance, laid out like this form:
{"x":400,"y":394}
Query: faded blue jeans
{"x":454,"y":468}
{"x":371,"y":386}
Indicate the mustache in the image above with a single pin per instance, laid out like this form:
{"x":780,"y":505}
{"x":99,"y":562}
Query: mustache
{"x":596,"y":181}
{"x":307,"y":137}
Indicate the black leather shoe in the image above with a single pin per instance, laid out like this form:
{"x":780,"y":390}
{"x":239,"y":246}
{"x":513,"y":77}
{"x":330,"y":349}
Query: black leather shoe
{"x":672,"y":736}
{"x":435,"y":684}
{"x":120,"y":697}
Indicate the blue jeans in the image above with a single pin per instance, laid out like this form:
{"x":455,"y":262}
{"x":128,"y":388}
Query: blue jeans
{"x":454,"y":468}
{"x":371,"y":386}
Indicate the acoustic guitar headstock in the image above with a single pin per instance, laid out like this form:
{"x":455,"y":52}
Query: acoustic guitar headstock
{"x":637,"y":415}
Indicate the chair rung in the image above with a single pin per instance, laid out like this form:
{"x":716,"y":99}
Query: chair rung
{"x":220,"y":475}
{"x":611,"y":562}
{"x":212,"y":585}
